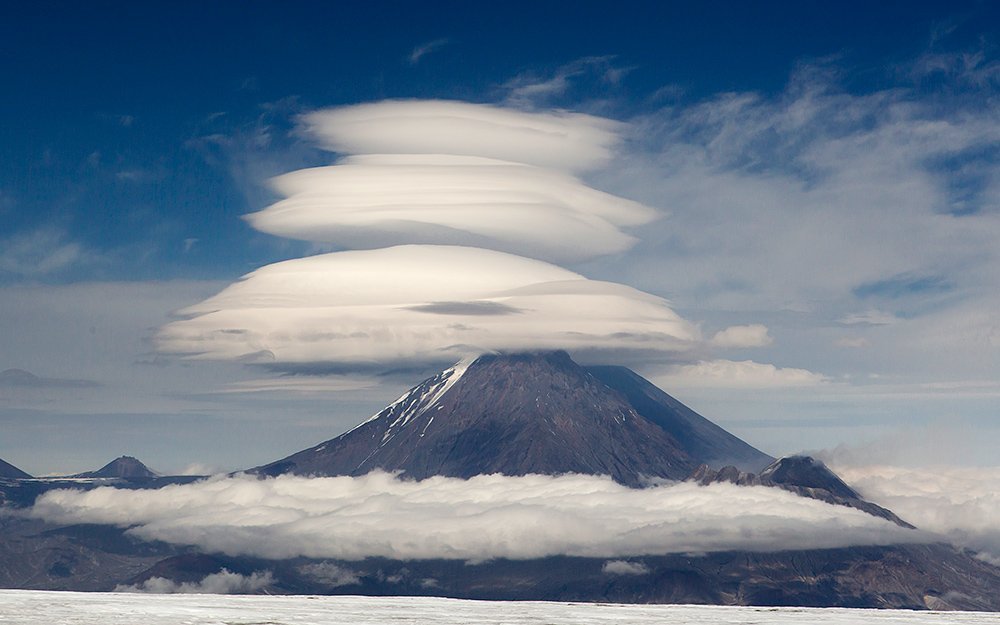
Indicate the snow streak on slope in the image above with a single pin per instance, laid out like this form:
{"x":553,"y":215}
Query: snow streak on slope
{"x":417,"y":400}
{"x":71,"y":608}
{"x":428,"y":397}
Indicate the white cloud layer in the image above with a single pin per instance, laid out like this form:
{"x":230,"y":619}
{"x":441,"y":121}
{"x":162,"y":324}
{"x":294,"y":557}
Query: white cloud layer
{"x":481,"y":518}
{"x":961,"y":503}
{"x":559,"y":140}
{"x":415,"y":303}
{"x":382,"y":200}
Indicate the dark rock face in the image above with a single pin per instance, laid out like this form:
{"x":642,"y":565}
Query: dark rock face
{"x":914,"y":577}
{"x":9,"y":471}
{"x":125,"y":467}
{"x":703,"y":439}
{"x":803,"y":475}
{"x":527,"y":413}
{"x":37,"y":556}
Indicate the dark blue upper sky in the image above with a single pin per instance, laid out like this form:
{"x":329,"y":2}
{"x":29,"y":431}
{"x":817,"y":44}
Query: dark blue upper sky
{"x":126,"y":123}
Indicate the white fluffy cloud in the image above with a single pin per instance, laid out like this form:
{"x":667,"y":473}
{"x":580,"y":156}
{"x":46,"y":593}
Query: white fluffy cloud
{"x":755,"y":335}
{"x":560,"y":140}
{"x":419,"y":303}
{"x":734,"y":374}
{"x":961,"y":503}
{"x":485,"y":517}
{"x":224,"y":582}
{"x":624,"y":567}
{"x":381,"y":200}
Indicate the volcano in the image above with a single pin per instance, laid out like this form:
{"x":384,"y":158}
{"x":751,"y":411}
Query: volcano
{"x":124,"y":467}
{"x":518,"y":414}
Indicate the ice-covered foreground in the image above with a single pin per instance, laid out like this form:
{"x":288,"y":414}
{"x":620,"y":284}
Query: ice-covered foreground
{"x":70,"y":608}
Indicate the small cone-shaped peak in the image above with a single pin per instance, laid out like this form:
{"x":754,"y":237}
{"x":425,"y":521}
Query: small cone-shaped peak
{"x":122,"y":467}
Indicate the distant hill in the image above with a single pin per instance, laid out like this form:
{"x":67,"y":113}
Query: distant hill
{"x":125,"y":467}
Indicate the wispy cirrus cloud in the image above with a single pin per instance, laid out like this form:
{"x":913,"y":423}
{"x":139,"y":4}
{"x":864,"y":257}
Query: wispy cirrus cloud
{"x":533,"y":88}
{"x":41,"y":253}
{"x":422,"y":50}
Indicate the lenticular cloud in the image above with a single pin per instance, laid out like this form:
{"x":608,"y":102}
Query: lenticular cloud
{"x":560,"y":140}
{"x":459,"y":174}
{"x":379,"y":200}
{"x":436,"y":198}
{"x":419,"y":303}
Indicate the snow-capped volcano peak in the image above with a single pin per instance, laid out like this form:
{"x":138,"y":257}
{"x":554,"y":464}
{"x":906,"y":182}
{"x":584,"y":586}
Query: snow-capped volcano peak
{"x":419,"y":399}
{"x":526,"y":413}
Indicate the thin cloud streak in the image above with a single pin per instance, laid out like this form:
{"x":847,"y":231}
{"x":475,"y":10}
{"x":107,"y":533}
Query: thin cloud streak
{"x":424,"y":49}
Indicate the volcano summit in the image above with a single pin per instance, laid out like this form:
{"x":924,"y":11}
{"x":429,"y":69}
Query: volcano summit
{"x":529,"y":413}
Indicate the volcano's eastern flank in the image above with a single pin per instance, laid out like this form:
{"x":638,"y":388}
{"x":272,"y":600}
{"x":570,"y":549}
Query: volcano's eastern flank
{"x":529,"y":413}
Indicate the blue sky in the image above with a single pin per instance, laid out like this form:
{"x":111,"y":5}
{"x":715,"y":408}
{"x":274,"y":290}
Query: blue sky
{"x":828,"y":172}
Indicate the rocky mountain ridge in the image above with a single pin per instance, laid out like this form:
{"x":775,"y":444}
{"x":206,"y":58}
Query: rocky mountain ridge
{"x":803,"y":475}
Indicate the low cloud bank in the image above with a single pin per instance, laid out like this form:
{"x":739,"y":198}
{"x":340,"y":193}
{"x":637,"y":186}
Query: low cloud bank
{"x":224,"y":582}
{"x":960,"y":503}
{"x":482,"y":518}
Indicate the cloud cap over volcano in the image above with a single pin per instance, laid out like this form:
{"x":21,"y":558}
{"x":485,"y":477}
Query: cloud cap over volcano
{"x":462,"y":187}
{"x":420,"y":303}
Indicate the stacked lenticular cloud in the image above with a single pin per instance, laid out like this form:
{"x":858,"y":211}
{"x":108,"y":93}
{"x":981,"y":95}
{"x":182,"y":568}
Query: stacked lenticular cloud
{"x":451,"y":210}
